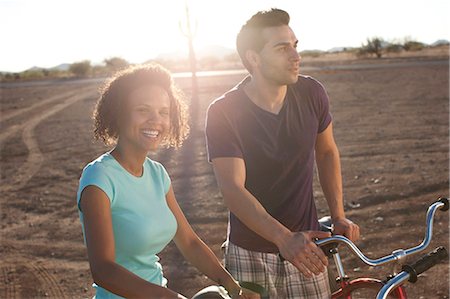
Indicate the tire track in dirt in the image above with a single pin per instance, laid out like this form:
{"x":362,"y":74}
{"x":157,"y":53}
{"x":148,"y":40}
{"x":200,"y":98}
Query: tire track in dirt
{"x":11,"y":130}
{"x":35,"y":157}
{"x":39,"y":104}
{"x":8,"y":279}
{"x":49,"y":285}
{"x":45,"y":284}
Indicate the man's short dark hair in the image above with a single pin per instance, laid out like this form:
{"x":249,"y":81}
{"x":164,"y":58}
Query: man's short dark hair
{"x":250,"y":36}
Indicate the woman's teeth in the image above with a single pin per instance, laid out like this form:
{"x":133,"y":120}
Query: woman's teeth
{"x":152,"y":134}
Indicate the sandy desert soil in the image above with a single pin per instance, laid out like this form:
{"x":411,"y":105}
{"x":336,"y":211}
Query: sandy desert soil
{"x":391,"y":122}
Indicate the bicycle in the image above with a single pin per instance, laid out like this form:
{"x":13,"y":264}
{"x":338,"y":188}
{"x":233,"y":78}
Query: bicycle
{"x":219,"y":292}
{"x":393,"y":285}
{"x":410,"y":272}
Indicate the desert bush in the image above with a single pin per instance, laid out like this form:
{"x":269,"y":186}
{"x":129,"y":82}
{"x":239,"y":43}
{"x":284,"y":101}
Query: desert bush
{"x":33,"y":74}
{"x":413,"y":46}
{"x":374,"y":46}
{"x":394,"y":48}
{"x":81,"y":69}
{"x":311,"y":53}
{"x":115,"y":63}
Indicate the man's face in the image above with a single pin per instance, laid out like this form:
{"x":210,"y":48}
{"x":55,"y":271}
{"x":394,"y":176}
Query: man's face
{"x":278,"y":62}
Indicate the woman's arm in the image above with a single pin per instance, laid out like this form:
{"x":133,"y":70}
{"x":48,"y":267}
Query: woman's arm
{"x":196,"y":251}
{"x":106,"y":273}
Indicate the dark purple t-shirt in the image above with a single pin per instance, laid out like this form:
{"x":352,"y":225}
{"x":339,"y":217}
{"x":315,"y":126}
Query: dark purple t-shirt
{"x":278,"y":151}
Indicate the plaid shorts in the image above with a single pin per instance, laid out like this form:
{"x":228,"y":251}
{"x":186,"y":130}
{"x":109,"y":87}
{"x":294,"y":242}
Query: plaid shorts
{"x":280,"y":278}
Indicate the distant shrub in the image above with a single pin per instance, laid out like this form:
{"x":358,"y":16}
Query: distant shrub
{"x":394,"y":48}
{"x":115,"y":63}
{"x":6,"y":77}
{"x":413,"y":46}
{"x":33,"y":74}
{"x":311,"y":53}
{"x":374,"y":46}
{"x":81,"y":69}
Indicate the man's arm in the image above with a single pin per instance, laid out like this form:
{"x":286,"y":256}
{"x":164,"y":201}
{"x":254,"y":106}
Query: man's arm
{"x":329,"y":168}
{"x":296,"y":247}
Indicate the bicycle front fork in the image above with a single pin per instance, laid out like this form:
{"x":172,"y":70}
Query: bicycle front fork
{"x":347,"y":286}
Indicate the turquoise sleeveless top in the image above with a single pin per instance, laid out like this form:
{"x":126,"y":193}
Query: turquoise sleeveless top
{"x":142,"y":222}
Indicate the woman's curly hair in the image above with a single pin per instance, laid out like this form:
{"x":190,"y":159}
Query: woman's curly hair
{"x":116,"y":90}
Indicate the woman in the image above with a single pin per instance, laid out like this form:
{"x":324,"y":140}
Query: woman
{"x":126,"y":203}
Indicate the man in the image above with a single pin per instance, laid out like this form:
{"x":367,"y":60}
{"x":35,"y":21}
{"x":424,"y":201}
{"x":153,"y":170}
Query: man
{"x":263,"y":138}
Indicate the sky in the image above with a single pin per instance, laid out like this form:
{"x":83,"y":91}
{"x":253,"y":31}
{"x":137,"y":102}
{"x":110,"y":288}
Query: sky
{"x":46,"y":33}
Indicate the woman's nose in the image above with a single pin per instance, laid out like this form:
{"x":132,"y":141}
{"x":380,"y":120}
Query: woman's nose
{"x":153,"y":116}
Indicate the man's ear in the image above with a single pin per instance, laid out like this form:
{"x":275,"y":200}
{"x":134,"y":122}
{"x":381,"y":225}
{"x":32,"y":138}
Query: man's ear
{"x":252,"y":58}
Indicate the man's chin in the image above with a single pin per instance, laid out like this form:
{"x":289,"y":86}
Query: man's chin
{"x":293,"y":79}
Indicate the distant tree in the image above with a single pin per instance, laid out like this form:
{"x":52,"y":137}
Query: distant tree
{"x":394,"y":48}
{"x":374,"y":46}
{"x":81,"y":69}
{"x":99,"y":71}
{"x":33,"y":74}
{"x":115,"y":63}
{"x":190,"y":34}
{"x":311,"y":53}
{"x":413,"y":46}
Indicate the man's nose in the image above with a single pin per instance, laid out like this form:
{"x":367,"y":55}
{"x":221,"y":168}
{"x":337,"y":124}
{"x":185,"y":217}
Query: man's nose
{"x":295,"y":55}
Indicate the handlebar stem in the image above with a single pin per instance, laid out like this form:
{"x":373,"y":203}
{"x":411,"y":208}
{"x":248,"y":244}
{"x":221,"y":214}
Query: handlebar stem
{"x":338,"y":263}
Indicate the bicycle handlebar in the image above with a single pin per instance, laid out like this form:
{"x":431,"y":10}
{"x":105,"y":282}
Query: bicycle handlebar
{"x":410,"y":272}
{"x":425,"y":263}
{"x":442,"y":204}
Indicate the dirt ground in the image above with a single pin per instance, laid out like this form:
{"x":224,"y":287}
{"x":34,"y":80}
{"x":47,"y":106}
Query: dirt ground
{"x":391,"y":123}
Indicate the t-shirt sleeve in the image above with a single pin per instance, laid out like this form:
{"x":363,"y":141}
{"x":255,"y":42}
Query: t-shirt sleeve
{"x":221,"y":139}
{"x":165,"y":179}
{"x":323,"y":107}
{"x":95,"y":175}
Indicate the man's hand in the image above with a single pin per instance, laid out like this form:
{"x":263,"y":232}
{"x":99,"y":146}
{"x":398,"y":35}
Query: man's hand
{"x":347,"y":228}
{"x":299,"y":249}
